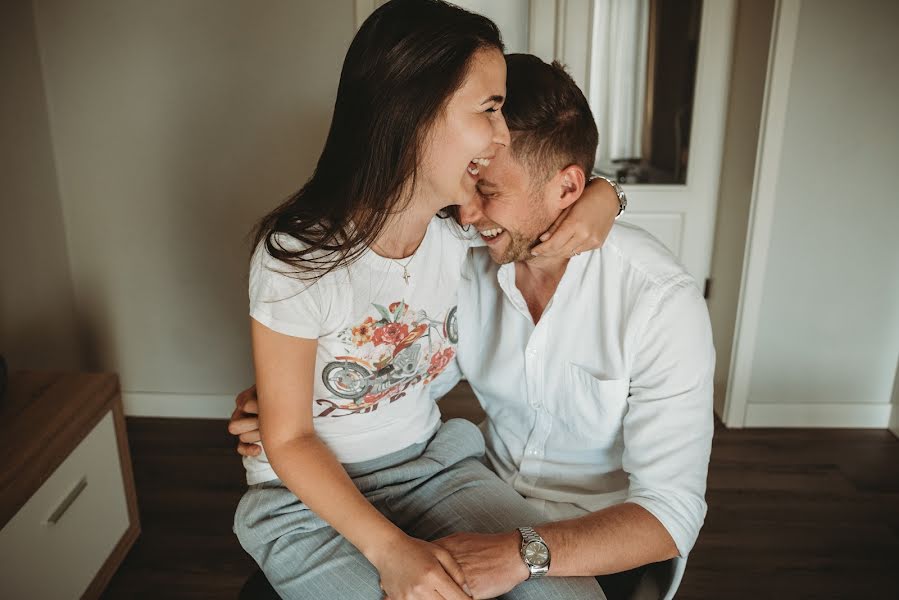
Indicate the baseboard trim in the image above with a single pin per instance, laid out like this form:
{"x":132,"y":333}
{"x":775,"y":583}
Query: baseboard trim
{"x":183,"y":406}
{"x":845,"y":415}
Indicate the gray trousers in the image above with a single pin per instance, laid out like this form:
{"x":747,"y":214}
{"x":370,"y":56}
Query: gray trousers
{"x":429,"y":490}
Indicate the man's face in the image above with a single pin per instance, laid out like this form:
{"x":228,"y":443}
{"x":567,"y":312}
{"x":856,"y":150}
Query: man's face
{"x":511,"y":210}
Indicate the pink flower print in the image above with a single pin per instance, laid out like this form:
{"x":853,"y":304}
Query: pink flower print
{"x":439,"y":362}
{"x":362,"y":333}
{"x":393,"y":305}
{"x":391,"y":333}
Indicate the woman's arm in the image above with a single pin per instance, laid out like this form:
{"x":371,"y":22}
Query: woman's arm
{"x":585,"y":224}
{"x":285,"y":370}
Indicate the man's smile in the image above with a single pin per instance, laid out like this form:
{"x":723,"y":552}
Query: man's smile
{"x":491,"y":235}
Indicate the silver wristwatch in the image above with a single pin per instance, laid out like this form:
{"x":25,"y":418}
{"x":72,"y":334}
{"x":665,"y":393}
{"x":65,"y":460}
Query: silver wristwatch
{"x":534,"y":552}
{"x":622,"y":197}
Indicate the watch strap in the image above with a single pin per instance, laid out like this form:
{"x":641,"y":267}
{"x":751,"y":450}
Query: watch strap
{"x":528,"y":535}
{"x":622,"y":197}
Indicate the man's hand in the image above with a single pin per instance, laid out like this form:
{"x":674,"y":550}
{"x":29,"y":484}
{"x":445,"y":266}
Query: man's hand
{"x":491,"y":562}
{"x":414,"y":569}
{"x":244,"y":423}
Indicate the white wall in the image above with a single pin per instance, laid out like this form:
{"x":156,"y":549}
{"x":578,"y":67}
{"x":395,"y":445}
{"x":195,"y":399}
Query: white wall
{"x":894,"y":417}
{"x":175,"y":126}
{"x":38,"y":327}
{"x":752,"y":36}
{"x":511,"y":16}
{"x":827,"y":332}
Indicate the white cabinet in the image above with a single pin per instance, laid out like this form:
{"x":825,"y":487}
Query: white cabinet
{"x":67,"y":536}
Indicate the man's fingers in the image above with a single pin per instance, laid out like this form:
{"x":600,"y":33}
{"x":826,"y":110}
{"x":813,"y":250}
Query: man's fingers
{"x":242,"y":425}
{"x":250,"y":437}
{"x":248,"y":403}
{"x":248,"y":449}
{"x":235,"y":426}
{"x":235,"y":414}
{"x":452,"y":568}
{"x":245,"y":396}
{"x":448,"y":590}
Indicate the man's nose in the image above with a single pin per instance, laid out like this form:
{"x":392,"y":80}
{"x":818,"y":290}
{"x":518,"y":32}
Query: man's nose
{"x":471,"y":212}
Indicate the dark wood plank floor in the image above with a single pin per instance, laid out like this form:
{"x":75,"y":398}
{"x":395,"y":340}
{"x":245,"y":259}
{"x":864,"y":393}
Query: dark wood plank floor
{"x":792,"y":514}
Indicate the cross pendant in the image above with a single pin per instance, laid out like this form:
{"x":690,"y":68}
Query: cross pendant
{"x":406,"y":275}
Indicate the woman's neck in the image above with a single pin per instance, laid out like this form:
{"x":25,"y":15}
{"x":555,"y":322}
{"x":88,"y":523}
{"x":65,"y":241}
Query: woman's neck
{"x":403,"y":232}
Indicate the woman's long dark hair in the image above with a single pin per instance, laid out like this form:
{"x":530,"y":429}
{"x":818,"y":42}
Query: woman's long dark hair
{"x":403,"y":65}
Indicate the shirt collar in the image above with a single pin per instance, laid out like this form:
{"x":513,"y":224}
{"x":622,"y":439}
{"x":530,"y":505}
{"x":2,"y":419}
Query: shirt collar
{"x":505,"y":276}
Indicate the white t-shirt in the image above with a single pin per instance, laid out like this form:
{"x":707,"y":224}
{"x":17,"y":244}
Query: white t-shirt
{"x":381,"y":342}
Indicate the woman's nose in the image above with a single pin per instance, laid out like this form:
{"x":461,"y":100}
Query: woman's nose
{"x":472,"y":212}
{"x":501,"y":131}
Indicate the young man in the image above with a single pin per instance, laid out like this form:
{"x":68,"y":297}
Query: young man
{"x":595,"y":372}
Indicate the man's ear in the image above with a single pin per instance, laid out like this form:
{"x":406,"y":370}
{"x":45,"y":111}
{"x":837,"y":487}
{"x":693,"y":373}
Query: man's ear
{"x":571,"y":185}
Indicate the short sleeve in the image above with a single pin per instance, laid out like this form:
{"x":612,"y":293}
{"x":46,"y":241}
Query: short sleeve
{"x":281,"y":301}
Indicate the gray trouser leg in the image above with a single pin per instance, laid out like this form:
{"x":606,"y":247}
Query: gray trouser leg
{"x":467,"y":496}
{"x":301,"y":555}
{"x":429,"y":490}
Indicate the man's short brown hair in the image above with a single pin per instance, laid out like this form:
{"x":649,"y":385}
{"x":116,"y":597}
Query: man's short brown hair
{"x":548,"y":116}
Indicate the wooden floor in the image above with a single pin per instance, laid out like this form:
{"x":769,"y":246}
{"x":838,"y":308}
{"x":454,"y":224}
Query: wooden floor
{"x":792,"y":514}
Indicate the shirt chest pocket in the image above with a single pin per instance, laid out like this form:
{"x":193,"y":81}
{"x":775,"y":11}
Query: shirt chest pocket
{"x":591,"y":408}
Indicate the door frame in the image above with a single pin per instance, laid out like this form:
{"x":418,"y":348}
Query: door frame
{"x":560,"y":29}
{"x":761,"y":212}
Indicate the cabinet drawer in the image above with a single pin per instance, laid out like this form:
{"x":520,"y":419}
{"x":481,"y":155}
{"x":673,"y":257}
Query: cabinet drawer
{"x":56,"y":543}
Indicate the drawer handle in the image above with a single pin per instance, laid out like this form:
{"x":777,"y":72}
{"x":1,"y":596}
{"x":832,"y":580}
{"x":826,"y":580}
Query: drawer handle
{"x":67,"y":502}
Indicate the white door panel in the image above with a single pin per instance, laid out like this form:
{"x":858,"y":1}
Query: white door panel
{"x":681,"y":216}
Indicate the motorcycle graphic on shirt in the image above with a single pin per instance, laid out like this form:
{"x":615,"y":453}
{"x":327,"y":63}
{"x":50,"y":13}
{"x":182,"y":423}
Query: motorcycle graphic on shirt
{"x":389,"y":354}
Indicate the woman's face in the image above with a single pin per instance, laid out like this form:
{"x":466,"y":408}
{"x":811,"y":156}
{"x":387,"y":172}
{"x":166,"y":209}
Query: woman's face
{"x":467,"y":135}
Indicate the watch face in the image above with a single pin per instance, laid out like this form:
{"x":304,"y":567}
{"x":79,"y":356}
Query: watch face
{"x":536,"y":554}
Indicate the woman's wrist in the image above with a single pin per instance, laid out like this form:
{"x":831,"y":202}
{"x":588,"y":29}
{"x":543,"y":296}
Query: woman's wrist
{"x":619,"y":198}
{"x":380,"y":545}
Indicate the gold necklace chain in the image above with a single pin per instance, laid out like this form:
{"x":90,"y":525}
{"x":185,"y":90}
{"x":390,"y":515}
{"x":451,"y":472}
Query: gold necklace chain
{"x":406,"y":274}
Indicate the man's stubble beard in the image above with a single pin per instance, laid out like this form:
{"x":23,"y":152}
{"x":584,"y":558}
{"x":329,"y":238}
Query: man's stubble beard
{"x":520,"y":244}
{"x":519,"y":248}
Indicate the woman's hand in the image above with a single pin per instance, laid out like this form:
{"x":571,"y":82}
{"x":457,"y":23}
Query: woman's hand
{"x":413,"y":569}
{"x":584,"y":225}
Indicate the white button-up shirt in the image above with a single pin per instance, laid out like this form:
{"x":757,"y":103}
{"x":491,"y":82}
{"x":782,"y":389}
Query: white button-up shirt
{"x":608,"y":398}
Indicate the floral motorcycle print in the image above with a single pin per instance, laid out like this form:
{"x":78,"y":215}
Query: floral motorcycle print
{"x":386,"y":354}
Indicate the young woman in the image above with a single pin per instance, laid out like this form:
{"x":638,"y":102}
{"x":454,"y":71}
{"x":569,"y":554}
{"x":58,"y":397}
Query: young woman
{"x":352,"y":299}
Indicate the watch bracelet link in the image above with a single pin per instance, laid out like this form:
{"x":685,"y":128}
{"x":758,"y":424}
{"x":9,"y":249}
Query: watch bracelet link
{"x":622,"y":197}
{"x":528,"y":535}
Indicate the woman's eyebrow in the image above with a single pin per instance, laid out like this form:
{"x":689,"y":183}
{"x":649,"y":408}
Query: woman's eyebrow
{"x":493,"y":99}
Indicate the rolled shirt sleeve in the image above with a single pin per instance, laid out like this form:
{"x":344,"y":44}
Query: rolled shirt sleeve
{"x":669,"y":424}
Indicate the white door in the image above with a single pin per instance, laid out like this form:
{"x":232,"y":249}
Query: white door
{"x":681,"y":216}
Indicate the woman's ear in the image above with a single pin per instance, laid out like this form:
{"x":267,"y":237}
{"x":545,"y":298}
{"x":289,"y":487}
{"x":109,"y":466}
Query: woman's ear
{"x":571,"y":185}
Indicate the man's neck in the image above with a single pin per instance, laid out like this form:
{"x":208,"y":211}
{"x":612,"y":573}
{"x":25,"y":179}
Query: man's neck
{"x":537,"y":279}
